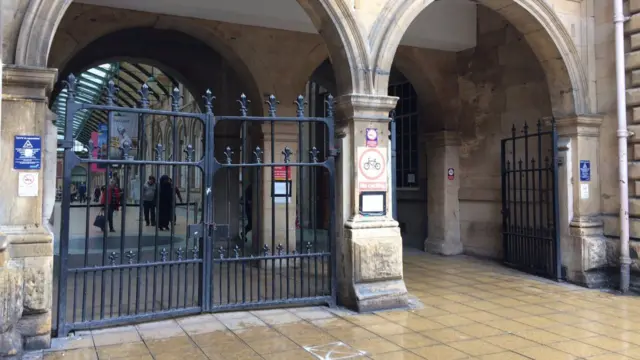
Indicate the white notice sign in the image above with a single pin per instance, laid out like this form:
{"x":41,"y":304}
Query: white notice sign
{"x":28,"y":184}
{"x":584,"y":191}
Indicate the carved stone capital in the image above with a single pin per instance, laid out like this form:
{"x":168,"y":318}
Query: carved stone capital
{"x":359,"y":107}
{"x":22,"y":82}
{"x":579,"y":125}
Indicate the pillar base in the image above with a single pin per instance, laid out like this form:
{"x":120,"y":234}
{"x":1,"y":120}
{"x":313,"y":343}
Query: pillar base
{"x":371,"y":277}
{"x":443,"y":247}
{"x":584,"y":253}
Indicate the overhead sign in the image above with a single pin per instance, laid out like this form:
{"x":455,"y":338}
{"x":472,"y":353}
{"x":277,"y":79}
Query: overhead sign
{"x":27,"y":153}
{"x":585,"y":170}
{"x":372,"y":169}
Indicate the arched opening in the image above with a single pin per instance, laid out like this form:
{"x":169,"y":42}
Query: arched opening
{"x":485,"y":89}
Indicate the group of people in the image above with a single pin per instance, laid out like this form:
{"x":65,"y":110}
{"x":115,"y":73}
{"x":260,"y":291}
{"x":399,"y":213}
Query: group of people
{"x":156,"y":198}
{"x":163,"y":196}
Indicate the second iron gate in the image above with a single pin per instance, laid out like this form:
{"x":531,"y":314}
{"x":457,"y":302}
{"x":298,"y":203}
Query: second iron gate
{"x":530,"y":210}
{"x":239,"y":249}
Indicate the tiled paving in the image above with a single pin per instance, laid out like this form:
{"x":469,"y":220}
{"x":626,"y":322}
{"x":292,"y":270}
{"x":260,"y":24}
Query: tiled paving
{"x":470,"y":309}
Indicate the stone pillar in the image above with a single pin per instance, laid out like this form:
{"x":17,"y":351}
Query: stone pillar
{"x":443,"y":206}
{"x":584,"y":247}
{"x":285,"y":135}
{"x":369,"y":247}
{"x":26,"y":244}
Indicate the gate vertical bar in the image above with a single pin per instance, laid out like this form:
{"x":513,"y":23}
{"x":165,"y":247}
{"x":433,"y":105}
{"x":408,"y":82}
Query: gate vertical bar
{"x":66,"y":205}
{"x":207,"y":203}
{"x":557,"y":256}
{"x":392,"y":137}
{"x":505,"y":205}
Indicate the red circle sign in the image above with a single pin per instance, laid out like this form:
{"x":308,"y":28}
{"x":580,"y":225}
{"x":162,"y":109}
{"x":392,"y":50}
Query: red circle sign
{"x":28,"y":179}
{"x":371,"y":164}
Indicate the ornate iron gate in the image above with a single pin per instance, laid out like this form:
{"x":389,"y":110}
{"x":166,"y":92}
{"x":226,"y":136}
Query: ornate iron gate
{"x":530,"y":212}
{"x":182,"y":264}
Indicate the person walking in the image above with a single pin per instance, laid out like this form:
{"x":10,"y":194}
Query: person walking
{"x":96,"y":194}
{"x":111,"y":198}
{"x":166,"y":195}
{"x":82,"y":191}
{"x":149,"y":198}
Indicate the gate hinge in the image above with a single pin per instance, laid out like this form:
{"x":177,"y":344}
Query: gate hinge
{"x":334,"y":152}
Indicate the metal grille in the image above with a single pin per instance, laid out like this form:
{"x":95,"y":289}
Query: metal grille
{"x":406,"y":139}
{"x":201,"y":259}
{"x":530,"y":201}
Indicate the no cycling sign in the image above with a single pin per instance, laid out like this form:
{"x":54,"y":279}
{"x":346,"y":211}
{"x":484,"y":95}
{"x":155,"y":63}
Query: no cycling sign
{"x":372,"y":169}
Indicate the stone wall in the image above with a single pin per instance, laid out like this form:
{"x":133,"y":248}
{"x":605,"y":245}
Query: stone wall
{"x":501,"y":84}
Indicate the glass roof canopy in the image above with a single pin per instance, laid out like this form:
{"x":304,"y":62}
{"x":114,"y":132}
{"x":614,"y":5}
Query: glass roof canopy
{"x":89,"y":90}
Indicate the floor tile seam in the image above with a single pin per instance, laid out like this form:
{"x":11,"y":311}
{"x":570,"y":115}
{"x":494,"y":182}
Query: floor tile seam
{"x":191,"y":339}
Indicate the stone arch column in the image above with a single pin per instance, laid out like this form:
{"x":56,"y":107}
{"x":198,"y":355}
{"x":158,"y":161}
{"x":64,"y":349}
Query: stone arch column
{"x":535,"y":19}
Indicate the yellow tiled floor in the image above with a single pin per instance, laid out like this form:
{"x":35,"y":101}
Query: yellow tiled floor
{"x":471,"y":309}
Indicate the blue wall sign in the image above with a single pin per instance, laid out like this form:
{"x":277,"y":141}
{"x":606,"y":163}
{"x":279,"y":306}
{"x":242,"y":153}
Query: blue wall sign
{"x":27,"y":154}
{"x":585,"y":170}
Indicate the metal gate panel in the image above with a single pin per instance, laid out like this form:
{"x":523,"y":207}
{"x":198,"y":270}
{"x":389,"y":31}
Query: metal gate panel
{"x":530,"y":213}
{"x":121,"y":278}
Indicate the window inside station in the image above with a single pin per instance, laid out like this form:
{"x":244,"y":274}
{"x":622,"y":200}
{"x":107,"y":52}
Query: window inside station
{"x":406,"y":118}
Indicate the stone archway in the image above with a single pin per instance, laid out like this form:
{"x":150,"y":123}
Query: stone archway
{"x":535,"y":19}
{"x":334,"y":20}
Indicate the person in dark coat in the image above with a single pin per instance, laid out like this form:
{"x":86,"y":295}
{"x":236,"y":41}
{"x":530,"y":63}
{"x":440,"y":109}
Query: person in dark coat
{"x":166,"y":194}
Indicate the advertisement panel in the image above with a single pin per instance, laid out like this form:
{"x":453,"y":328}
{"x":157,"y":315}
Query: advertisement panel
{"x":124,"y":131}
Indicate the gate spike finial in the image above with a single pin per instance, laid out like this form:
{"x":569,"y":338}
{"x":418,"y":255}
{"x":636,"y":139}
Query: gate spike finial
{"x":236,"y":251}
{"x":71,"y":84}
{"x":265,"y":250}
{"x":273,"y":105}
{"x":113,"y":257}
{"x":221,"y":252}
{"x":280,"y":249}
{"x":508,"y":165}
{"x":179,"y":253}
{"x":228,"y":155}
{"x":195,"y":251}
{"x":308,"y":247}
{"x":90,"y":148}
{"x":244,"y":102}
{"x":112,"y":90}
{"x":175,"y":97}
{"x":287,"y":154}
{"x":144,"y":96}
{"x":525,"y":128}
{"x":539,"y":126}
{"x":125,"y":148}
{"x":513,"y":130}
{"x":300,"y":104}
{"x":208,"y":101}
{"x":189,"y":151}
{"x":163,"y":254}
{"x":330,"y":104}
{"x":159,"y":152}
{"x":258,"y":154}
{"x":313,"y":154}
{"x":130,"y":255}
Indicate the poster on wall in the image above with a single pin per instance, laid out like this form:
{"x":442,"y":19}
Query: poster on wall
{"x":95,"y":152}
{"x":124,"y":131}
{"x":102,"y":144}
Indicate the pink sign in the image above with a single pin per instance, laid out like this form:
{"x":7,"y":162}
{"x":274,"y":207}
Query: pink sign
{"x":94,"y":152}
